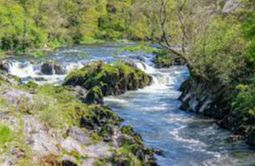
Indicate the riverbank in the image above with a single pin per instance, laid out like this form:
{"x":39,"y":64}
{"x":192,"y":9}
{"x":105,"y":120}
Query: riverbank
{"x":214,"y":100}
{"x":48,"y":124}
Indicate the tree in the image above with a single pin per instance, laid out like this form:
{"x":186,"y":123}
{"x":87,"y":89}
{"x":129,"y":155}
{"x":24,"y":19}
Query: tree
{"x":197,"y":31}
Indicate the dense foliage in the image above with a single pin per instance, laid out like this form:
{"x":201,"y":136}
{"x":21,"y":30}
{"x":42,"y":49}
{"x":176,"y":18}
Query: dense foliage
{"x":244,"y":101}
{"x":43,"y":23}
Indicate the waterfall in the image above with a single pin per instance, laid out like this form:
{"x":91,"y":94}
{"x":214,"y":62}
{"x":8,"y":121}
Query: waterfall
{"x":22,"y":70}
{"x":28,"y":69}
{"x":162,"y":78}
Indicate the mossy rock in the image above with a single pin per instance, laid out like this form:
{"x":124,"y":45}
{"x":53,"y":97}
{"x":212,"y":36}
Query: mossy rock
{"x":112,"y":79}
{"x":100,"y":118}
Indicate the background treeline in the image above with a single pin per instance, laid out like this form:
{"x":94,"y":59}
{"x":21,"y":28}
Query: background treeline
{"x":52,"y":23}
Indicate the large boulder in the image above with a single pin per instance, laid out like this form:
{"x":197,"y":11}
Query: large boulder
{"x":4,"y":66}
{"x":111,"y":79}
{"x":251,"y":138}
{"x":79,"y":135}
{"x":52,"y":68}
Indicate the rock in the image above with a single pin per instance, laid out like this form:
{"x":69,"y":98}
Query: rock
{"x":44,"y":144}
{"x":10,"y":79}
{"x":15,"y":96}
{"x":235,"y":138}
{"x":80,"y":92}
{"x":71,"y":145}
{"x":58,"y":69}
{"x":184,"y":106}
{"x":212,"y":99}
{"x":159,"y":152}
{"x":79,"y":135}
{"x":230,"y":6}
{"x":88,"y":162}
{"x":40,"y":79}
{"x":100,"y":150}
{"x":207,"y":98}
{"x":251,"y":138}
{"x":37,"y":136}
{"x":47,"y":69}
{"x":52,"y":68}
{"x":4,"y":66}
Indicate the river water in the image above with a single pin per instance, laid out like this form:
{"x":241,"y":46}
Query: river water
{"x":185,"y":138}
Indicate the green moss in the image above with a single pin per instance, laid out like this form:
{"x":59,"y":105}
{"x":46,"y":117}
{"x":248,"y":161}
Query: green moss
{"x":123,"y":156}
{"x":95,"y":138}
{"x":127,"y":130}
{"x":59,"y":93}
{"x":52,"y":117}
{"x":100,"y":162}
{"x":6,"y":134}
{"x":90,"y":40}
{"x":64,"y":115}
{"x":141,"y":47}
{"x":31,"y":85}
{"x":95,"y":95}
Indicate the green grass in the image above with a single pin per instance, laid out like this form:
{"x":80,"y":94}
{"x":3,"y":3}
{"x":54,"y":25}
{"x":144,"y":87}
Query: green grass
{"x":141,"y":47}
{"x":91,"y":40}
{"x":136,"y":48}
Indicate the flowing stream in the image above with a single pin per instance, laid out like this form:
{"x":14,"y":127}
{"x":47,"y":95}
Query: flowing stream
{"x":185,"y":138}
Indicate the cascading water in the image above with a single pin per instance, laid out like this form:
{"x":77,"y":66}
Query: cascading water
{"x":184,"y":138}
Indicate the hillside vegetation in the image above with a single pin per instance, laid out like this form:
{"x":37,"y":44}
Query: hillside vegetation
{"x":28,"y":24}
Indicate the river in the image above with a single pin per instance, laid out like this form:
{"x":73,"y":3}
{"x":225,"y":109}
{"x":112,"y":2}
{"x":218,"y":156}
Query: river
{"x":186,"y":139}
